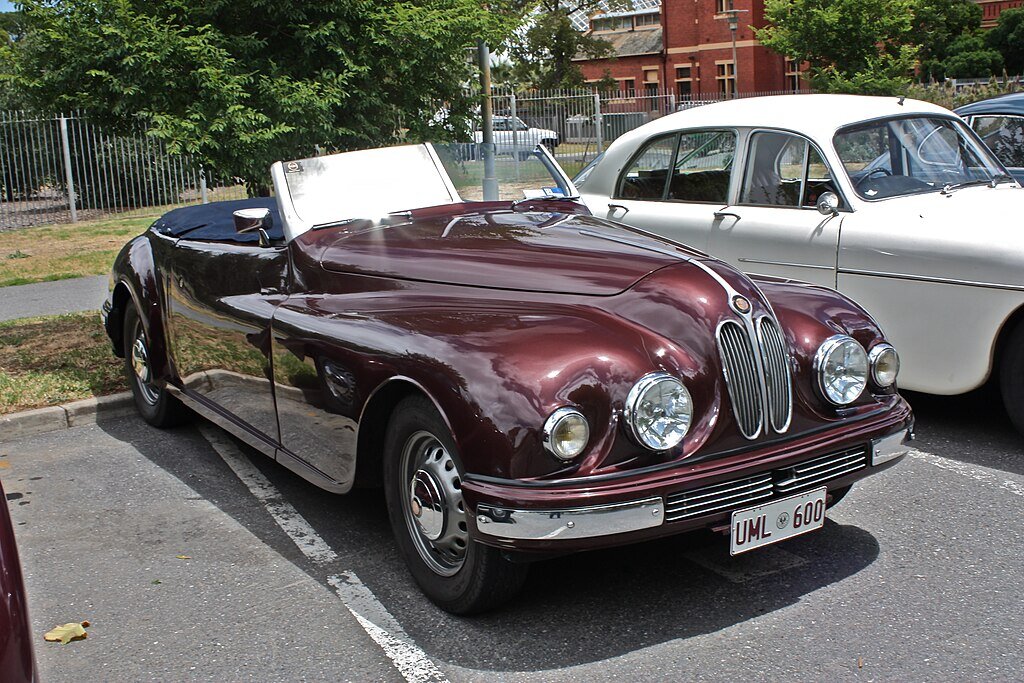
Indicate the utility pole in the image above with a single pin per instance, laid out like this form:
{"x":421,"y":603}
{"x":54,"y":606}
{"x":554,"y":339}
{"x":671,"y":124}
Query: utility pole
{"x":733,"y":17}
{"x":490,"y":184}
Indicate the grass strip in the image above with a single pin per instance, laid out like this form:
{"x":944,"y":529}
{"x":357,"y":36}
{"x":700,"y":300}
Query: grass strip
{"x":60,"y":252}
{"x":56,"y":359}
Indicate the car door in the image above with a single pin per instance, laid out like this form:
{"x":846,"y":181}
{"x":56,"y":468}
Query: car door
{"x":774,"y":228}
{"x":1004,"y":135}
{"x":675,"y":185}
{"x":221,"y":297}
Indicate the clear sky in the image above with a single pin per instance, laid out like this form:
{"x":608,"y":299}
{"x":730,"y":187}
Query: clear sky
{"x":6,"y":5}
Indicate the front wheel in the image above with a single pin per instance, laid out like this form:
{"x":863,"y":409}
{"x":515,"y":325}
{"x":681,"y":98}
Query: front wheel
{"x":1011,"y":377}
{"x":423,"y":486}
{"x":154,"y":403}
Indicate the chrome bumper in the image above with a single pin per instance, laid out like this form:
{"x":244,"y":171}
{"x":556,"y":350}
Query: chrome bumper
{"x":891,"y":447}
{"x":570,"y":523}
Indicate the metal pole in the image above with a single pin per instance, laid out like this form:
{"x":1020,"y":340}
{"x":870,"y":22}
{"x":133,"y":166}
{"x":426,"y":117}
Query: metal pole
{"x":514,"y":119}
{"x":598,"y":121}
{"x":733,"y":25}
{"x":487,"y":150}
{"x":67,"y":168}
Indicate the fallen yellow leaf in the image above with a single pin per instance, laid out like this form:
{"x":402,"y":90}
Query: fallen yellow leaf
{"x":184,"y":557}
{"x":68,"y":632}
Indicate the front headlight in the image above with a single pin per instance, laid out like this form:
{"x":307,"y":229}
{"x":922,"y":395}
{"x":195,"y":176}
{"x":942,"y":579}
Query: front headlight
{"x":566,"y":433}
{"x":885,"y":364}
{"x":842,"y":368}
{"x":659,"y":411}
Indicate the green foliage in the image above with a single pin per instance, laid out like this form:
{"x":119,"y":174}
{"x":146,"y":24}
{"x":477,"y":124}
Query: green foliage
{"x":938,"y":24}
{"x":863,"y":46}
{"x":945,"y":95}
{"x":968,"y":56}
{"x":1007,"y":37}
{"x":241,"y":84}
{"x":543,"y":48}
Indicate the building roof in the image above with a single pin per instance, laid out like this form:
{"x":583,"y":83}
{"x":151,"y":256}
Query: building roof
{"x":581,"y":18}
{"x":1012,"y":103}
{"x":818,"y":116}
{"x":645,"y":41}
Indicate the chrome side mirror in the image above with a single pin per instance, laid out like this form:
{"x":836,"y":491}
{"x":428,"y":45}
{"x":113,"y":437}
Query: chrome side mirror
{"x":247,"y":220}
{"x":828,"y":204}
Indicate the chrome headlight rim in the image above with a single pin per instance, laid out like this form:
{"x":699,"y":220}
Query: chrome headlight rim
{"x":821,"y":355}
{"x":551,"y":425}
{"x":636,"y":393}
{"x":875,"y":355}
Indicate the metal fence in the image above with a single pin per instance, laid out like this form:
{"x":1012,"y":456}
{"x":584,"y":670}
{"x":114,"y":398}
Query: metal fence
{"x":65,"y":168}
{"x":585,"y":120}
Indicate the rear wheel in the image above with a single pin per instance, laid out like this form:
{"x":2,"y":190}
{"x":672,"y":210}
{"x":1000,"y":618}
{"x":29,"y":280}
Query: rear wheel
{"x":154,"y":403}
{"x":423,"y":486}
{"x":1011,"y":377}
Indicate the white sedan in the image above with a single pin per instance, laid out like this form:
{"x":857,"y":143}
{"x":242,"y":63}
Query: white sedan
{"x":894,"y":202}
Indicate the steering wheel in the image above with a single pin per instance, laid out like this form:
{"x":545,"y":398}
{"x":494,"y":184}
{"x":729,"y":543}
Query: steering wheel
{"x":872,"y":172}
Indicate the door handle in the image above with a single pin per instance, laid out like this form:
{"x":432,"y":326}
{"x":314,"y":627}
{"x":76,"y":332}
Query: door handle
{"x":719,"y":215}
{"x":613,"y":207}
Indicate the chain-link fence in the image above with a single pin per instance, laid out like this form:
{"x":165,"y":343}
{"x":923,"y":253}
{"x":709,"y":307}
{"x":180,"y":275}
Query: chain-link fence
{"x":64,"y":168}
{"x":579,"y":124}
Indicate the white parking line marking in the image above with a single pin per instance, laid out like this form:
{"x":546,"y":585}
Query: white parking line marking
{"x":412,"y":662}
{"x":974,"y":472}
{"x":286,"y":516}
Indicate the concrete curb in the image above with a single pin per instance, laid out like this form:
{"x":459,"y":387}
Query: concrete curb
{"x":75,"y":414}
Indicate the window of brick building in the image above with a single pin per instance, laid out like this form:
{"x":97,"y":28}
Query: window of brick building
{"x":726,"y":77}
{"x":628,"y":87}
{"x":652,"y":19}
{"x":684,"y":82}
{"x":793,"y":74}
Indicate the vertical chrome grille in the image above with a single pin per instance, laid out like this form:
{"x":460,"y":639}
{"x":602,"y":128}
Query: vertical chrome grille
{"x":759,"y":383}
{"x":741,"y":376}
{"x":775,"y":361}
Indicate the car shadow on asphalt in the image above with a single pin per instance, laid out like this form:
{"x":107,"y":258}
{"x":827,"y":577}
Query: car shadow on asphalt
{"x":971,"y":428}
{"x":573,"y":610}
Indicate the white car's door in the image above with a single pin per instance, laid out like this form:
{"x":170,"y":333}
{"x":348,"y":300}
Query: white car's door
{"x":774,"y":227}
{"x":674,"y":186}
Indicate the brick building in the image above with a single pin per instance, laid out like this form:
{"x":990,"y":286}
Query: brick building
{"x":684,"y":47}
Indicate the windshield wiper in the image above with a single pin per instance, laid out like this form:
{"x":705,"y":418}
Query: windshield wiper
{"x":545,"y":198}
{"x":950,"y":188}
{"x":1002,"y":178}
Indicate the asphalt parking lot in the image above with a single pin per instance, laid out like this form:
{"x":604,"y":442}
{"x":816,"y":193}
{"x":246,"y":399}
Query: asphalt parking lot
{"x":197,"y":559}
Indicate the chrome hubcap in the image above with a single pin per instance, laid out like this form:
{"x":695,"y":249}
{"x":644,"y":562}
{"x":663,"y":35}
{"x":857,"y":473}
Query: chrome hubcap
{"x":434,"y":511}
{"x":140,"y":366}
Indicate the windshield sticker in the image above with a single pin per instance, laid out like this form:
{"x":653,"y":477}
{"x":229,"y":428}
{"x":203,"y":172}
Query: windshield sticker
{"x":293,"y":167}
{"x":871,"y":193}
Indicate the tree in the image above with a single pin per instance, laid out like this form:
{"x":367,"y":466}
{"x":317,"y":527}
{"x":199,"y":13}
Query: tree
{"x":1007,"y":36}
{"x":241,"y":83}
{"x":967,"y":56}
{"x":544,"y":46}
{"x":937,"y":25}
{"x":864,"y":46}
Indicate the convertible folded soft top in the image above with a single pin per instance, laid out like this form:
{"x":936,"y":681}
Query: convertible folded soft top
{"x":213,"y":222}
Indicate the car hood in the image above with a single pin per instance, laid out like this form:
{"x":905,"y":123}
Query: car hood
{"x":532,"y":251}
{"x":973,"y":234}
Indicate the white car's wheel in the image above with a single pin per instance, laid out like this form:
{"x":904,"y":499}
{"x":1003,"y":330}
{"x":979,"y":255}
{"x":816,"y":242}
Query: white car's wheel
{"x":1011,"y":377}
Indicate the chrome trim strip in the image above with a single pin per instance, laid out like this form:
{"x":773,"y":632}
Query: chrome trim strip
{"x":569,"y":523}
{"x":693,"y":503}
{"x":742,"y":485}
{"x":890,"y":447}
{"x":929,"y":278}
{"x":784,"y":263}
{"x":675,"y":517}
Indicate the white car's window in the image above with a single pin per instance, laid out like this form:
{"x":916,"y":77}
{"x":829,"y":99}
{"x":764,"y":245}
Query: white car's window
{"x":703,"y":166}
{"x":645,"y":177}
{"x":911,"y":155}
{"x":784,"y":170}
{"x":1004,"y":135}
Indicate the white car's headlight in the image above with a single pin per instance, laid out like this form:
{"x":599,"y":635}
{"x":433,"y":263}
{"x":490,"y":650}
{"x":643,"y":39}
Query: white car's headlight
{"x":842,"y":367}
{"x":566,"y":433}
{"x":659,"y":411}
{"x":885,"y":364}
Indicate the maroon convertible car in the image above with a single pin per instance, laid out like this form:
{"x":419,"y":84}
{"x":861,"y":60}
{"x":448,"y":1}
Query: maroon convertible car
{"x":524,"y":379}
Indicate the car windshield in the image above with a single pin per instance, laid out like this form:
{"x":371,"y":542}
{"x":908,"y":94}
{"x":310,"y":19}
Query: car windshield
{"x":371,"y":184}
{"x":913,"y":155}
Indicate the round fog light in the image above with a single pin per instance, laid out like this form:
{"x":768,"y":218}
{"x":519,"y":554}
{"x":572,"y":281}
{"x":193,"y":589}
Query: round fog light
{"x":566,"y":433}
{"x":885,"y":365}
